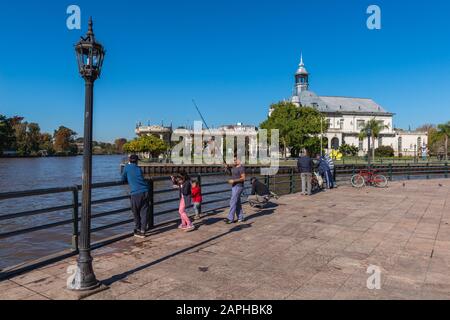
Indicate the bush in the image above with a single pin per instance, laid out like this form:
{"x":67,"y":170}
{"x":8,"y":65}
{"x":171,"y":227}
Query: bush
{"x":384,"y":152}
{"x":349,"y":150}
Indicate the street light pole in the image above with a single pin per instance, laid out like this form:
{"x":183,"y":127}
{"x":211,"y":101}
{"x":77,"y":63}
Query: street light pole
{"x":369,"y":135}
{"x":90,"y":56}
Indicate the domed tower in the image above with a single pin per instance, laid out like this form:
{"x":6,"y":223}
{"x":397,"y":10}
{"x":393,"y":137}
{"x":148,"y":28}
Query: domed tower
{"x":301,"y":79}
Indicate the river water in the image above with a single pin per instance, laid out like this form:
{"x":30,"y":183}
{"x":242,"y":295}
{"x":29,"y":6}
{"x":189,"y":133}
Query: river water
{"x":39,"y":173}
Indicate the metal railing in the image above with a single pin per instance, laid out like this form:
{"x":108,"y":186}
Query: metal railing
{"x":397,"y":172}
{"x":281,"y":184}
{"x":275,"y":182}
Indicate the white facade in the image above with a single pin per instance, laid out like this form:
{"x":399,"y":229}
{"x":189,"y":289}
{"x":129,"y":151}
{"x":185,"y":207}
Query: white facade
{"x":216,"y":137}
{"x":346,"y":116}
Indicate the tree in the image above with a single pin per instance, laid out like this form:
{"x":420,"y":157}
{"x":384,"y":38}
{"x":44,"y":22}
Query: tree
{"x":146,"y":144}
{"x":444,"y":131}
{"x":21,"y":142}
{"x":64,"y":140}
{"x":298,"y":127}
{"x":34,"y":137}
{"x":348,"y":150}
{"x":119,"y":143}
{"x":46,"y":143}
{"x":376,"y":127}
{"x":384,"y":152}
{"x":7,"y":137}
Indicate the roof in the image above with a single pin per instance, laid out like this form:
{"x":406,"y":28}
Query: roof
{"x":340,"y":104}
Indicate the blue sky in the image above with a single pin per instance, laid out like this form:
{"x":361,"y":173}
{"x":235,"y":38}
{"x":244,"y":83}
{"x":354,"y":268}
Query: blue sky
{"x":234,"y":57}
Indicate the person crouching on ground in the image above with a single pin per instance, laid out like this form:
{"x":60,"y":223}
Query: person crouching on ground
{"x":260,"y":193}
{"x":237,"y":182}
{"x":197,"y":199}
{"x":139,"y":191}
{"x":183,"y":184}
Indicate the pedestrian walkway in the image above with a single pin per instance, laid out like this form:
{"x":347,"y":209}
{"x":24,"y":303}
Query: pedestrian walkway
{"x":317,"y":247}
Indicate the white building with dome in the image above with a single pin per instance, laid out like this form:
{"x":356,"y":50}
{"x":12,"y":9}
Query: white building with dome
{"x":347,"y":115}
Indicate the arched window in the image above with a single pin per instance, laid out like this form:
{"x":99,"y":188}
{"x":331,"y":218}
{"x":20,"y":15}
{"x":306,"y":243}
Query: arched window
{"x":335,"y":143}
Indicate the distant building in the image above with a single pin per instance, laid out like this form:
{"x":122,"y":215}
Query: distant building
{"x":346,"y":117}
{"x":217,"y":135}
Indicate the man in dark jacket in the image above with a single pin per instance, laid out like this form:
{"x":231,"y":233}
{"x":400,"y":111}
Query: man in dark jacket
{"x":305,"y":167}
{"x":139,"y":195}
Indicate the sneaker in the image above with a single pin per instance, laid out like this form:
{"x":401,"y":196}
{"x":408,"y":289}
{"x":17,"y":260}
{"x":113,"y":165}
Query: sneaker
{"x":181,"y":226}
{"x":189,"y":228}
{"x":241,"y":220}
{"x":197,"y":217}
{"x":139,"y":234}
{"x":228,"y":221}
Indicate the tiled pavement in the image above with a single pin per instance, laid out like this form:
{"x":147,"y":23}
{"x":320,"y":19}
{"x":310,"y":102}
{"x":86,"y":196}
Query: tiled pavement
{"x":317,"y":247}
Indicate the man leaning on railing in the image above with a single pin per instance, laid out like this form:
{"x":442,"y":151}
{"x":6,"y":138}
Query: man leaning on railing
{"x":139,"y":191}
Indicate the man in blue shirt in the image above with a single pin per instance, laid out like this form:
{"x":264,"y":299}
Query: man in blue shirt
{"x":139,"y":195}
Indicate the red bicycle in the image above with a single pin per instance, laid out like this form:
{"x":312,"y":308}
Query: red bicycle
{"x":369,"y":177}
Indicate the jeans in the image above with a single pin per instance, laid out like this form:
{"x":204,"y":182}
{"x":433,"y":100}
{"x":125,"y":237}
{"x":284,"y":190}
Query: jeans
{"x":235,"y":203}
{"x":197,"y":208}
{"x":306,"y":183}
{"x":139,"y":206}
{"x":329,"y":179}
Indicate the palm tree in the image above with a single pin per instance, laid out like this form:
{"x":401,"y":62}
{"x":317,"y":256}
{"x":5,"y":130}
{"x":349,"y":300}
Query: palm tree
{"x":375,"y":127}
{"x":444,"y":131}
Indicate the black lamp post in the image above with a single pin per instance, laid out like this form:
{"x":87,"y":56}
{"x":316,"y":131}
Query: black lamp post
{"x":90,"y":56}
{"x":369,"y":136}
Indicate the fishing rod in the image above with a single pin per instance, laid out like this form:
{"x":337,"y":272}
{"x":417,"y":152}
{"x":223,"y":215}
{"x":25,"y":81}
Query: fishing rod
{"x":206,"y":125}
{"x":201,"y":116}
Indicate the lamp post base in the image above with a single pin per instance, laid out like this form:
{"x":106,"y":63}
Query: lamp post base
{"x":84,"y":278}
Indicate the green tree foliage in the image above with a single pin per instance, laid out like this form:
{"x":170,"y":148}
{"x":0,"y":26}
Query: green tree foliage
{"x":119,"y":143}
{"x":64,"y":141}
{"x":348,"y":150}
{"x":384,"y":152}
{"x":443,"y":131}
{"x":146,"y":144}
{"x":46,"y":143}
{"x":7,"y":137}
{"x":376,"y":127}
{"x":299,"y":128}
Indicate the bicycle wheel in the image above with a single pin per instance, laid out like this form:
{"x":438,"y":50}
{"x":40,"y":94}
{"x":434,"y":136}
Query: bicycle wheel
{"x":380,"y":181}
{"x":358,"y":181}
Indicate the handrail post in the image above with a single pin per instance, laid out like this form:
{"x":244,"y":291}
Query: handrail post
{"x":151,"y":205}
{"x":408,"y":174}
{"x":446,"y":170}
{"x":291,"y":188}
{"x":390,"y":172}
{"x":428,"y":171}
{"x":75,"y":219}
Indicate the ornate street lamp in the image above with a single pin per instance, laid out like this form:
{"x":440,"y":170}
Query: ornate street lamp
{"x":369,"y":135}
{"x":90,"y":55}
